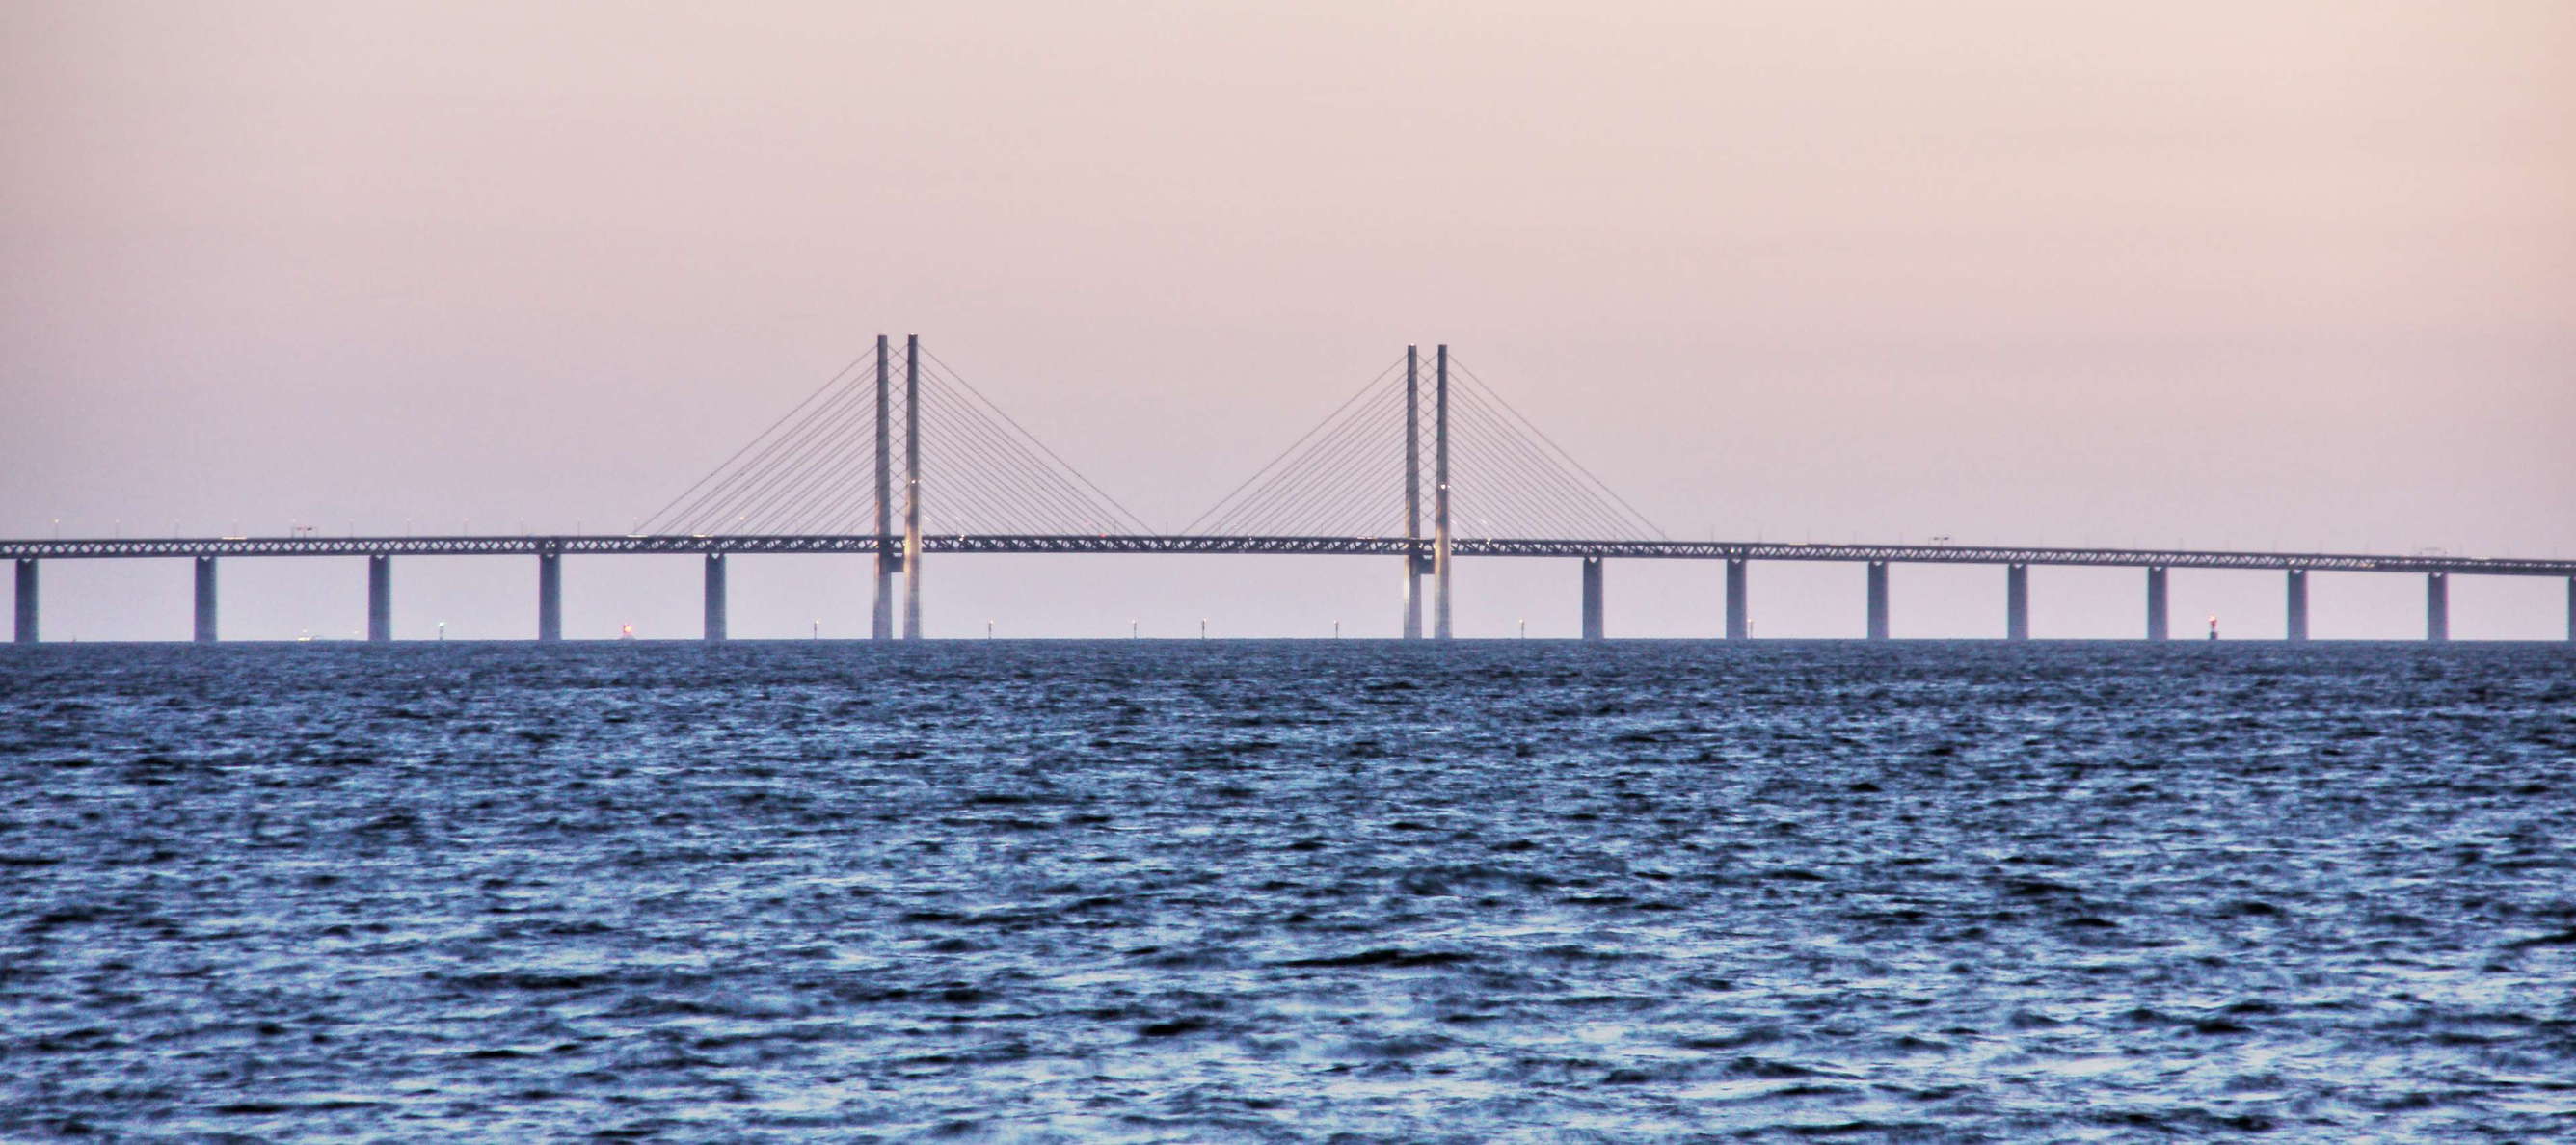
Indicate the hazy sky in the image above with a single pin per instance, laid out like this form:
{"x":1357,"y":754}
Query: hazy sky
{"x":2219,"y":274}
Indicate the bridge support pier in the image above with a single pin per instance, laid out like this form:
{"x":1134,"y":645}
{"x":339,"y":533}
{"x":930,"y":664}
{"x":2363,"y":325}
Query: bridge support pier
{"x":1416,"y":566}
{"x":380,"y":599}
{"x":1739,"y":623}
{"x":912,"y":591}
{"x":2437,"y":607}
{"x":2017,"y":602}
{"x":2298,"y":605}
{"x":205,"y":631}
{"x":881,"y":618}
{"x":549,"y":597}
{"x":1878,"y":600}
{"x":889,"y":562}
{"x":2571,"y":608}
{"x":26,"y":602}
{"x":714,"y":629}
{"x":2159,"y":612}
{"x":1592,"y":625}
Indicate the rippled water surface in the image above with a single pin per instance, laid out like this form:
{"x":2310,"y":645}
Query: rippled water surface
{"x":1289,"y":891}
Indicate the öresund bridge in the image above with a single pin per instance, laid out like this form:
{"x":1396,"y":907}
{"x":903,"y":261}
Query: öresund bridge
{"x":824,"y":478}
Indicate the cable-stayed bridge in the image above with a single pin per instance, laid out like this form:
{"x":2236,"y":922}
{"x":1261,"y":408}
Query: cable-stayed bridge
{"x":898,"y":457}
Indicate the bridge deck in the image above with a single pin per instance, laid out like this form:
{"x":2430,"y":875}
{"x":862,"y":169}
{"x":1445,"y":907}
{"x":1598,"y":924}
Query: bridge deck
{"x":490,"y":545}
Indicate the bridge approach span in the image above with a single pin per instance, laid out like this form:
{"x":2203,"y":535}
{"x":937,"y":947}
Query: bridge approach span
{"x":1144,"y":543}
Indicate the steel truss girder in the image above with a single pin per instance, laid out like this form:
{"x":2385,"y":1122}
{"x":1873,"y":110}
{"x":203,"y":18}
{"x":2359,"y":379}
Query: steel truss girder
{"x":558,"y":545}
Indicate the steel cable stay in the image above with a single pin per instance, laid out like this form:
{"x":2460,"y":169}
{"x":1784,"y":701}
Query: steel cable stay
{"x":958,"y":507}
{"x":1489,"y":501}
{"x":1339,"y":484}
{"x":1016,"y":467}
{"x":1576,"y":494}
{"x":1543,"y":499}
{"x":731,"y":504}
{"x":1319,"y":471}
{"x":1316,"y":466}
{"x":1292,"y":467}
{"x":1222,"y":502}
{"x":1559,"y":450}
{"x":1559,"y":496}
{"x":977,"y":491}
{"x":986,"y":497}
{"x":809,"y":468}
{"x":787,"y":471}
{"x":830,"y":447}
{"x":975,"y":498}
{"x":1017,"y":490}
{"x":767,"y":465}
{"x":819,"y":391}
{"x":837,"y":504}
{"x":1300,"y":506}
{"x":821,"y":508}
{"x":1007,"y":473}
{"x":1327,"y":495}
{"x":984,"y":472}
{"x":845,"y":480}
{"x":1523,"y":502}
{"x":1041,"y":467}
{"x":971,"y":497}
{"x":1008,"y":459}
{"x":1345,"y":509}
{"x":754,"y":471}
{"x":1066,"y":468}
{"x":989,"y":460}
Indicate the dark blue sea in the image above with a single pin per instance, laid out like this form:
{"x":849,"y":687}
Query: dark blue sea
{"x":1308,"y":891}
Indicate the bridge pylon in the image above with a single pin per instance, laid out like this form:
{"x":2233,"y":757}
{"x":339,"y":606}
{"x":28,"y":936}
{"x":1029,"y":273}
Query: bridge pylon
{"x":828,"y":468}
{"x":1493,"y":476}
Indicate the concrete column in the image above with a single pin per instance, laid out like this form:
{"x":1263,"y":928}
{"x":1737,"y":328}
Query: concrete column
{"x":1739,"y":620}
{"x":1878,"y":600}
{"x":205,"y":633}
{"x":549,"y":596}
{"x":2437,"y":607}
{"x":2571,"y":607}
{"x":2159,"y":612}
{"x":715,"y":622}
{"x":2017,"y":602}
{"x":1412,"y":495}
{"x":1592,"y":626}
{"x":26,"y":627}
{"x":1440,"y":495}
{"x":881,"y":621}
{"x":380,"y":599}
{"x":912,"y":486}
{"x":2298,"y":604}
{"x":1418,"y":569}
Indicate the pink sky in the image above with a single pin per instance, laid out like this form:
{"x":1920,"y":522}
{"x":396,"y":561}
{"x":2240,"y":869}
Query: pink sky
{"x":2272,"y":275}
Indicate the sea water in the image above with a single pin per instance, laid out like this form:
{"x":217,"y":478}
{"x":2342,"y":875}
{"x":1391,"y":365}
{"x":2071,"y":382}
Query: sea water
{"x":1293,"y":891}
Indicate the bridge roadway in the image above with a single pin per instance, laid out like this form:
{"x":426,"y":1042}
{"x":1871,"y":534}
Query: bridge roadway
{"x":550,"y":548}
{"x":608,"y":544}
